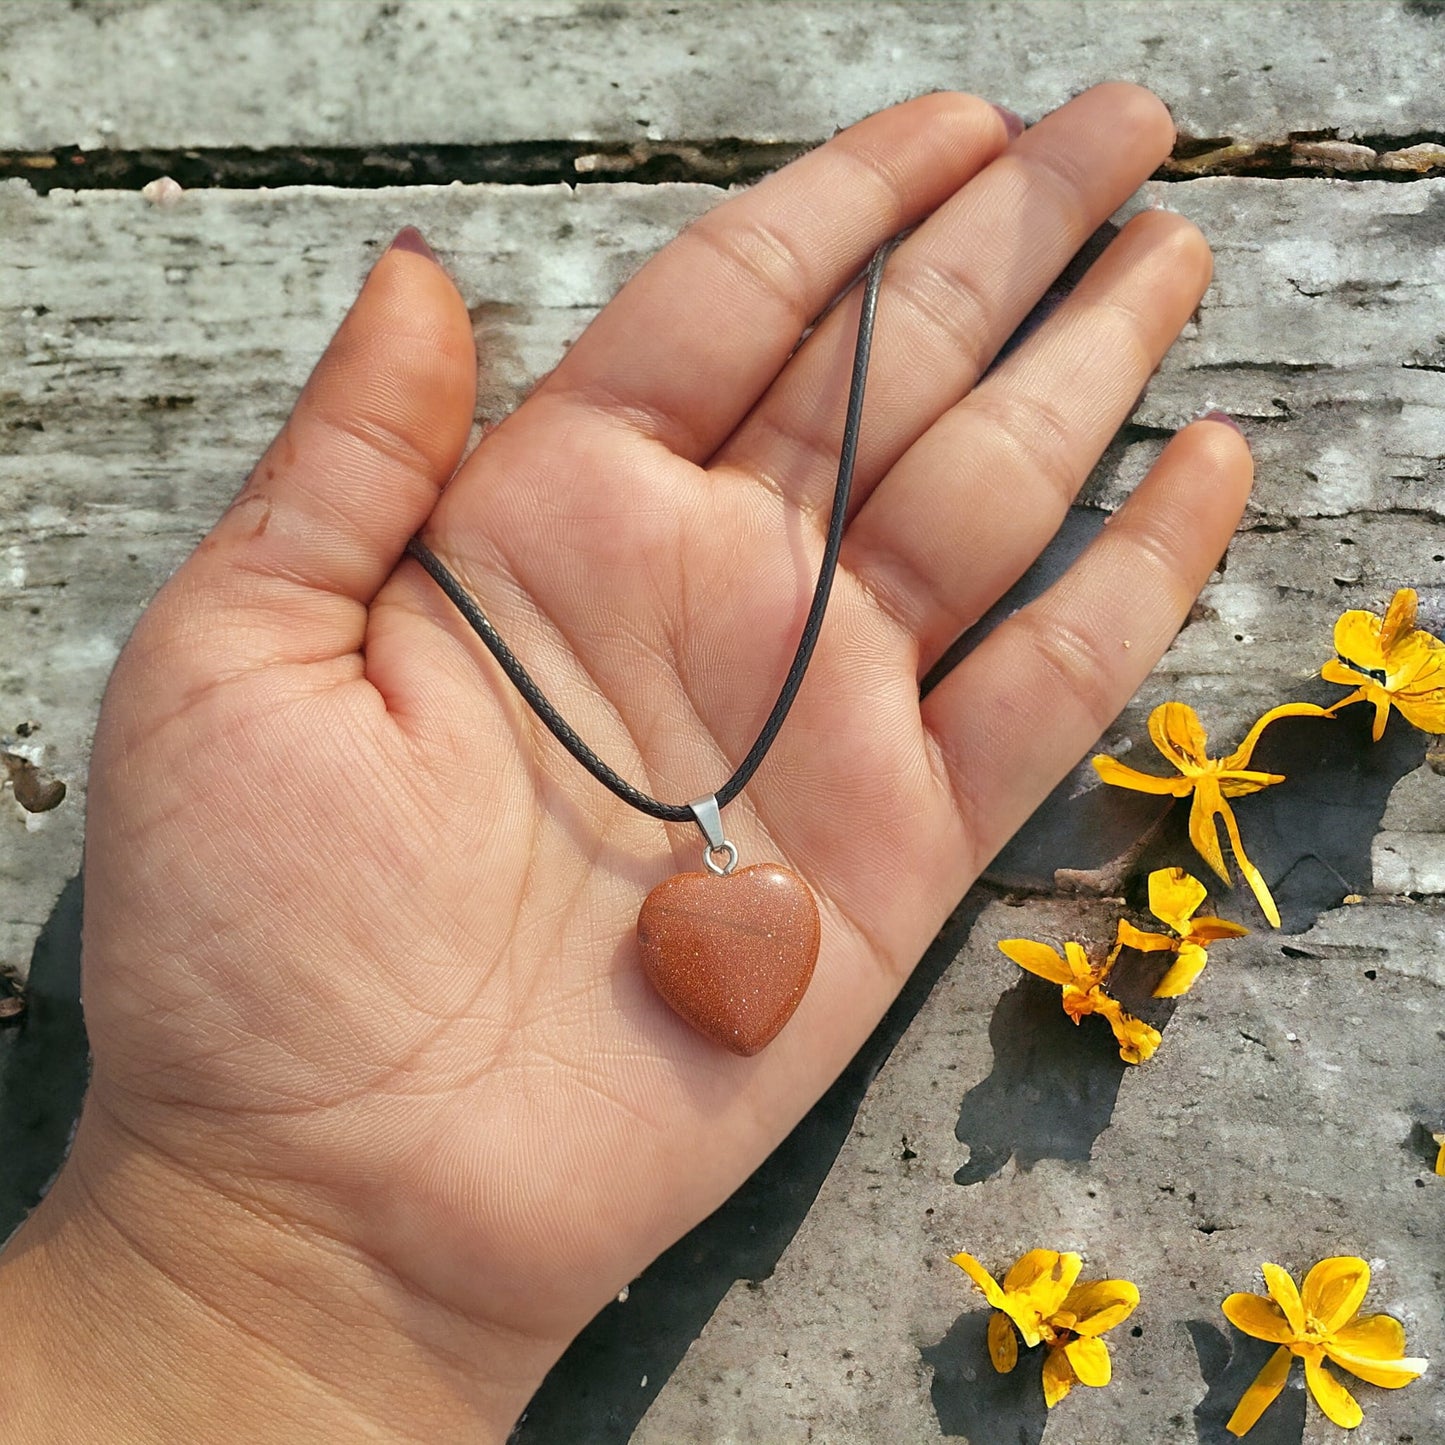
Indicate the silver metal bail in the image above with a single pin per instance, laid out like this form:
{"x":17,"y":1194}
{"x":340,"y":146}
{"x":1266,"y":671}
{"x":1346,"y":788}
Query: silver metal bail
{"x":709,"y":819}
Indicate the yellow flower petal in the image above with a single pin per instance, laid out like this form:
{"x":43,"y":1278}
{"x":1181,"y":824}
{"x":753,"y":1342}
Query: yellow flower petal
{"x":1427,"y":713}
{"x":1078,"y":962}
{"x":1138,"y":1041}
{"x":1121,"y":776}
{"x":1259,"y":1317}
{"x":1079,"y":1002}
{"x":1334,"y":1290}
{"x":1132,"y":937}
{"x":1173,"y":897}
{"x":1388,"y":1374}
{"x":1332,"y":1397}
{"x":1399,"y":619}
{"x":1252,"y":875}
{"x":1037,"y":958}
{"x":1044,"y":1278}
{"x":1203,"y":832}
{"x":1283,"y":1292}
{"x":1038,"y":1264}
{"x":982,"y":1278}
{"x":1090,"y":1360}
{"x":1183,"y":972}
{"x":1240,"y":757}
{"x":1357,"y":641}
{"x":1262,"y":1393}
{"x":1099,"y":1305}
{"x":1417,"y":681}
{"x":1210,"y":930}
{"x":1389,"y":661}
{"x":1003,"y":1343}
{"x":1413,"y":664}
{"x":1244,"y":782}
{"x":1440,"y":1157}
{"x":1372,"y":1337}
{"x":1175,"y":729}
{"x":1341,"y":672}
{"x":1058,"y":1377}
{"x":1381,"y":699}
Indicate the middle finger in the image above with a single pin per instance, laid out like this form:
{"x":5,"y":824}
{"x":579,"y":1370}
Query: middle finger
{"x":954,"y":292}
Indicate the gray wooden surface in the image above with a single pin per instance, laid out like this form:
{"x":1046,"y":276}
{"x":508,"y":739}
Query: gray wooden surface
{"x":359,"y":72}
{"x":148,"y":351}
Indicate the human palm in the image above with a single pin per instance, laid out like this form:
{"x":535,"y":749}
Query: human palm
{"x":359,"y":934}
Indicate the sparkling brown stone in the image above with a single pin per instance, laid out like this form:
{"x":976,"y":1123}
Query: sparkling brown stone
{"x":731,"y":954}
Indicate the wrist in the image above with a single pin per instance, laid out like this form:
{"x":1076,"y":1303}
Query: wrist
{"x":143,"y":1304}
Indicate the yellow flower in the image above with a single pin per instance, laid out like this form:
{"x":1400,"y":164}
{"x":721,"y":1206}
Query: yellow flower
{"x":1042,"y":1297}
{"x":1176,"y":731}
{"x":1439,"y":1137}
{"x":1032,"y":1290}
{"x":1173,"y":897}
{"x":1082,"y":983}
{"x":1076,"y":1353}
{"x":1320,"y":1322}
{"x":1390,"y":660}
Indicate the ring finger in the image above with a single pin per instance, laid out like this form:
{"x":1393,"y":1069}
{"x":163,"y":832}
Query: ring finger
{"x":976,"y":498}
{"x":955,"y":290}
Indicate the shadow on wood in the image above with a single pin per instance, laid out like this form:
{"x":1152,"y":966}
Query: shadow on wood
{"x":44,"y":1064}
{"x":972,"y":1400}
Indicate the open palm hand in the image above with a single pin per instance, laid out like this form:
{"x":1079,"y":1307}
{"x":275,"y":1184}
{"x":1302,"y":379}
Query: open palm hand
{"x":360,"y":961}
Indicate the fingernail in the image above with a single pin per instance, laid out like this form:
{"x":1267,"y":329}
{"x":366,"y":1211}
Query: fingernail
{"x":1012,"y":123}
{"x":1224,"y":418}
{"x":410,"y":239}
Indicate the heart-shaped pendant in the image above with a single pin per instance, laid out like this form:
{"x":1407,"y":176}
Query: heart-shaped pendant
{"x":731,"y":953}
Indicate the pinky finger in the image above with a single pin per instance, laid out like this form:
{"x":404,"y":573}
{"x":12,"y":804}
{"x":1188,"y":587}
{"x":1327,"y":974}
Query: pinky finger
{"x":1032,"y":698}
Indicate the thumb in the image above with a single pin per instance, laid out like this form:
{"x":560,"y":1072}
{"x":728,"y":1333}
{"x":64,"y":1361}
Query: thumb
{"x":375,"y":435}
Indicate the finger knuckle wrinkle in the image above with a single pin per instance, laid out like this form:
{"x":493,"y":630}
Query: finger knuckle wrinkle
{"x":964,"y":785}
{"x":1034,"y":428}
{"x":1073,"y":660}
{"x":951,"y":307}
{"x":383,"y":438}
{"x":1118,"y":329}
{"x":765,"y":257}
{"x":1155,"y":555}
{"x":884,"y":172}
{"x":1065,"y":179}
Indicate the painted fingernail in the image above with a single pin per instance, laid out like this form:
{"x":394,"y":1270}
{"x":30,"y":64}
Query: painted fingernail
{"x":1224,"y":418}
{"x":1012,"y":123}
{"x":410,"y":239}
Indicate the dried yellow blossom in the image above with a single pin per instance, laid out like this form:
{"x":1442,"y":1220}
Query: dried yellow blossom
{"x":1319,"y":1322}
{"x":1174,"y":895}
{"x":1042,"y":1297}
{"x":1032,"y":1290}
{"x":1082,"y":983}
{"x":1389,"y":661}
{"x":1177,"y":732}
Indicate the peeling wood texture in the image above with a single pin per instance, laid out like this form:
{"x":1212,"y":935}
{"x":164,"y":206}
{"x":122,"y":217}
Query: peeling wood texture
{"x":101,"y":73}
{"x":151,"y":344}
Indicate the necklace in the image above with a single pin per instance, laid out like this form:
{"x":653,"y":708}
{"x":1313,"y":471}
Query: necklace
{"x":731,"y":950}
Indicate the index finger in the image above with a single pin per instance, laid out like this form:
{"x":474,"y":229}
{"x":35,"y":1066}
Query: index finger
{"x":694,"y":339}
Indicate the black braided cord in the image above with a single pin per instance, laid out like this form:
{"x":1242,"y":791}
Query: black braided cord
{"x":563,"y":731}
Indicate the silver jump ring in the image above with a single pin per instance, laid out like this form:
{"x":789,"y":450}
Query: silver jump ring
{"x":720,"y":870}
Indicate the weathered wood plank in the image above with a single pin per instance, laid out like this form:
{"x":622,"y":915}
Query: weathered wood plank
{"x":177,"y":74}
{"x":147,"y":353}
{"x":1243,"y":1140}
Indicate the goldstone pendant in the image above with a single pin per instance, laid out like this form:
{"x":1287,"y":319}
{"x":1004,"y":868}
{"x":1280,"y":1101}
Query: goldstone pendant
{"x":730,"y":952}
